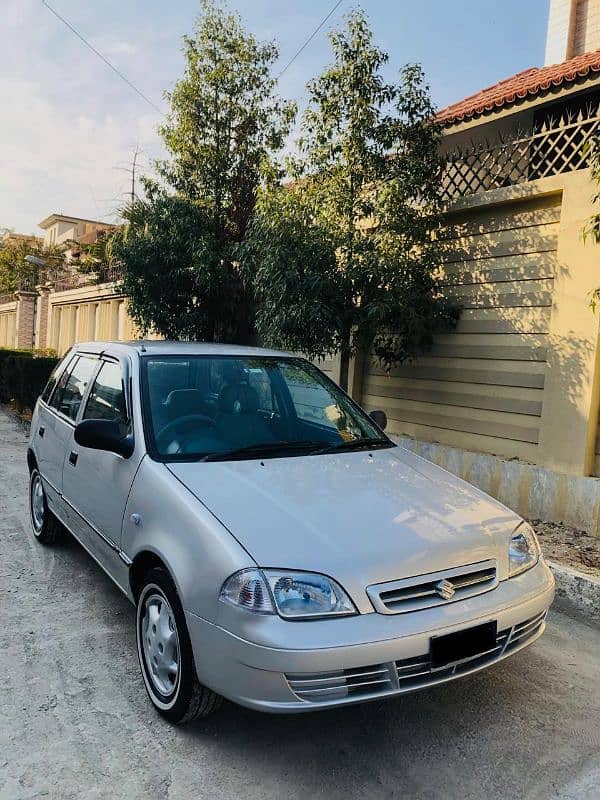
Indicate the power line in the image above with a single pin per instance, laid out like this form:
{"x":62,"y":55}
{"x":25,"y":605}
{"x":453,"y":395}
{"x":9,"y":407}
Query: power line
{"x":139,"y":92}
{"x":103,"y":58}
{"x":310,"y":38}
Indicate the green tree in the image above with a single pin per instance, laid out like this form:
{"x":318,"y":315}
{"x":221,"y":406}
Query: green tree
{"x":224,"y":127}
{"x":345,"y":257}
{"x":592,"y":229}
{"x":15,"y":272}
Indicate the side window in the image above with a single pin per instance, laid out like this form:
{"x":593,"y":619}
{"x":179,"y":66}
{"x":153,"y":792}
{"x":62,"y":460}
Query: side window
{"x":107,"y":397}
{"x":60,"y":386}
{"x":59,"y":371}
{"x":72,"y":385}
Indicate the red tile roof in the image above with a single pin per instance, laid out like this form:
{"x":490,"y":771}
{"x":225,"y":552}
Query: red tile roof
{"x":527,"y":83}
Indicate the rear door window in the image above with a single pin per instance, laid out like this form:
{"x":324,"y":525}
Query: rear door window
{"x":72,"y":386}
{"x":60,"y":386}
{"x":59,"y":371}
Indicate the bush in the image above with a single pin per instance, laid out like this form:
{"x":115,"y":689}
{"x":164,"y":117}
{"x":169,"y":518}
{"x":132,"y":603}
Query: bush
{"x":23,"y":375}
{"x":7,"y":352}
{"x":48,"y":352}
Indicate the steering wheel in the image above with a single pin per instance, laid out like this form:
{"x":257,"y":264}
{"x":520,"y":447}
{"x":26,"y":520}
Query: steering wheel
{"x":167,"y":435}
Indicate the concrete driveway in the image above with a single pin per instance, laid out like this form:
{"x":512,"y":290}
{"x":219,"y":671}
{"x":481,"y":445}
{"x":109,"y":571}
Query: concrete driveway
{"x":75,"y":721}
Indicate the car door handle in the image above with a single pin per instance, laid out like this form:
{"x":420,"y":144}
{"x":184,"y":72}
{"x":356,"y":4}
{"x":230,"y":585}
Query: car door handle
{"x":73,"y":456}
{"x":41,"y":431}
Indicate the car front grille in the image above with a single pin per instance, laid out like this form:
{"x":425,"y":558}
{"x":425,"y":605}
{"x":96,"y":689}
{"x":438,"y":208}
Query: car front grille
{"x":418,"y":671}
{"x":408,"y":674}
{"x":435,"y":589}
{"x":344,"y":683}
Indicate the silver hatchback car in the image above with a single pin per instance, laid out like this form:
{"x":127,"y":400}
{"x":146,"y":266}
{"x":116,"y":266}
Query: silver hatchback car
{"x":280,"y":549}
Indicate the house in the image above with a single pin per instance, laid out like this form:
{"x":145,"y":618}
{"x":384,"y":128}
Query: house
{"x":510,"y":400}
{"x":10,"y":239}
{"x":26,"y":318}
{"x":60,"y":230}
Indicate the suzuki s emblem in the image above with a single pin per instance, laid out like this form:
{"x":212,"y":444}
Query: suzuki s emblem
{"x":445,"y":590}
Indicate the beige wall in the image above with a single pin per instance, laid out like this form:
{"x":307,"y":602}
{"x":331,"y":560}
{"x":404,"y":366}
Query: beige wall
{"x":518,"y":378}
{"x":88,"y":313}
{"x":8,"y":324}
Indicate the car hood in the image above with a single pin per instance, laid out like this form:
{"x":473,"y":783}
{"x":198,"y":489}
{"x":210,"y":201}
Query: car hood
{"x":361,"y":518}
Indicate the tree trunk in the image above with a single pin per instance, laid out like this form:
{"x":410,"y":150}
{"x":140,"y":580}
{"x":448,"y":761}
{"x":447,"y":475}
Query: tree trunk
{"x":345,"y":353}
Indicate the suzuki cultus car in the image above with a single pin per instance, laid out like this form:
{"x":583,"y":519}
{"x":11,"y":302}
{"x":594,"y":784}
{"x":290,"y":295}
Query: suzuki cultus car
{"x":280,"y":549}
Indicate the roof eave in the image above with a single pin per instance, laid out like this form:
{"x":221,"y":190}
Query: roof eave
{"x":52,"y":218}
{"x":517,"y":106}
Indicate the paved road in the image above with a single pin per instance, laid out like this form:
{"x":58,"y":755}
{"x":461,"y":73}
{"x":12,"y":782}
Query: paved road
{"x":75,"y":721}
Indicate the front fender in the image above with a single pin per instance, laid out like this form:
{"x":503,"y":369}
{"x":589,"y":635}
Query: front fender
{"x":163,"y":517}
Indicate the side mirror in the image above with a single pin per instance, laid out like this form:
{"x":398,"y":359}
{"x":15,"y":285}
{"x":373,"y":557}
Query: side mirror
{"x":379,"y":418}
{"x":104,"y":434}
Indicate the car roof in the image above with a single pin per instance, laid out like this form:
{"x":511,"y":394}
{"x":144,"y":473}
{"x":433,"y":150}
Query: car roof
{"x":168,"y":348}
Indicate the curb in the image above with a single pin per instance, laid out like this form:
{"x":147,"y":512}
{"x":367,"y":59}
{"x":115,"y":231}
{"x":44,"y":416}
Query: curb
{"x":577,"y":593}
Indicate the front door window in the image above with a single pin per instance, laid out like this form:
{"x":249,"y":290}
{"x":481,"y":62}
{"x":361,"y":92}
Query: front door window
{"x":107,"y":397}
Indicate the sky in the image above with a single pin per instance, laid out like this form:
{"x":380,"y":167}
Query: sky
{"x":69,"y":126}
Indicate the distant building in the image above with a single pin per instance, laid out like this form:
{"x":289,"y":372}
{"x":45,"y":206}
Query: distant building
{"x":69,"y":232}
{"x":11,"y":239}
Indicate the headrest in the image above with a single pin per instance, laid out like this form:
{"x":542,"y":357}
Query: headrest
{"x":238,"y":398}
{"x":181,"y":402}
{"x":232,"y":371}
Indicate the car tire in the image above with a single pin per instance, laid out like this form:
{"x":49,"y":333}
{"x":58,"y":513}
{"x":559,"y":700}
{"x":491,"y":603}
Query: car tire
{"x":165,"y":653}
{"x":45,"y":526}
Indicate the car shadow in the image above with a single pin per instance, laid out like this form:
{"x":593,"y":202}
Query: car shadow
{"x":478,"y":731}
{"x":413,"y":745}
{"x":408,"y":746}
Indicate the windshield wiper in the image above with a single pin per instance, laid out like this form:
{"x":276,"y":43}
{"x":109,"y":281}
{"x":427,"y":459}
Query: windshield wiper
{"x":362,"y":443}
{"x":262,"y":449}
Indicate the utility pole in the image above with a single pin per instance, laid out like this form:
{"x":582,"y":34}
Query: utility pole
{"x":131,"y":171}
{"x":133,"y":165}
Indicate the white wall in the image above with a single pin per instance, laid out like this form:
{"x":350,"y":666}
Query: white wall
{"x":573,"y":29}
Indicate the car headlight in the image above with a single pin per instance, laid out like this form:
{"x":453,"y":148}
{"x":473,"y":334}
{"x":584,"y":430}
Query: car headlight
{"x":292,"y":595}
{"x":524,"y":550}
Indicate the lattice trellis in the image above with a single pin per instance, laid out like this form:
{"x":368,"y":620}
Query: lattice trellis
{"x":557,"y":146}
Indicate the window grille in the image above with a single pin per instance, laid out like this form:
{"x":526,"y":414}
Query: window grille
{"x":557,"y":145}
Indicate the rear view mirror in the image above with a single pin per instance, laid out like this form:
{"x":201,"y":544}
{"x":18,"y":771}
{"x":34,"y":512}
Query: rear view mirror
{"x":379,"y":417}
{"x":103,"y":434}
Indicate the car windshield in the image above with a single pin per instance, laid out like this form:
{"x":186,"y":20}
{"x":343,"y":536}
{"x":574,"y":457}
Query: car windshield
{"x":203,"y":407}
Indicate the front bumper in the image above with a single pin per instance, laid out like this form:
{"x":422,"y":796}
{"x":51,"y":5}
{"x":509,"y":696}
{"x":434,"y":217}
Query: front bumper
{"x":305,"y":666}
